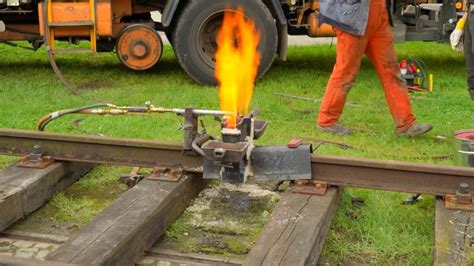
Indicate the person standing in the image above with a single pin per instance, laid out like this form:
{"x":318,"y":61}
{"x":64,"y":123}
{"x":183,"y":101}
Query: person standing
{"x":364,"y":27}
{"x":466,"y":31}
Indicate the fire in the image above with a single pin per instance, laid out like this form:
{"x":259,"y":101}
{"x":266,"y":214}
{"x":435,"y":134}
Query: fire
{"x":237,"y":61}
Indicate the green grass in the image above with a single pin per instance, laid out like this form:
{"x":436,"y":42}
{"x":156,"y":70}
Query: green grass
{"x":69,"y":210}
{"x":382,"y":231}
{"x":385,"y":232}
{"x":6,"y":160}
{"x":89,"y":196}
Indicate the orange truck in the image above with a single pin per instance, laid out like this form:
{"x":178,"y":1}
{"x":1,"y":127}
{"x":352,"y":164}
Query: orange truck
{"x":191,"y":26}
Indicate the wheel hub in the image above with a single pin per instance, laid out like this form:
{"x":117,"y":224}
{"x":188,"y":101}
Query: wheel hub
{"x":207,"y":42}
{"x":139,"y":50}
{"x":139,"y":47}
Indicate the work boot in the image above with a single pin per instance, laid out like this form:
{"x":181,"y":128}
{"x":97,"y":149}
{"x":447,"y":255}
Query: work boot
{"x":415,"y":130}
{"x":336,"y":129}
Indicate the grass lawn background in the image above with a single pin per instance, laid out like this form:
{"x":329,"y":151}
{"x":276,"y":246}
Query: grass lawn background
{"x":382,"y":231}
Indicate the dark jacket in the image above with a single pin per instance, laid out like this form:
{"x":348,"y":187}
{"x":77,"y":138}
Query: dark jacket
{"x":348,"y":15}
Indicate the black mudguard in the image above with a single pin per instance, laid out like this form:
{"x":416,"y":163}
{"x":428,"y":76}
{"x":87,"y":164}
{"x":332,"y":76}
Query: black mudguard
{"x":168,"y":12}
{"x":282,"y":26}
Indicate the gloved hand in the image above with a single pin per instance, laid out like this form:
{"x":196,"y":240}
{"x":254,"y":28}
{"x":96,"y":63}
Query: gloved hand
{"x":456,"y":36}
{"x":456,"y":42}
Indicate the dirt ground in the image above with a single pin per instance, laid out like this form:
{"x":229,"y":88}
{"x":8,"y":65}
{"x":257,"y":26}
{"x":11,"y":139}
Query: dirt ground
{"x":224,"y":219}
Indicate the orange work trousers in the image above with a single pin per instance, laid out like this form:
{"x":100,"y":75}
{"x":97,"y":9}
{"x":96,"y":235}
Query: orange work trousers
{"x":377,"y":44}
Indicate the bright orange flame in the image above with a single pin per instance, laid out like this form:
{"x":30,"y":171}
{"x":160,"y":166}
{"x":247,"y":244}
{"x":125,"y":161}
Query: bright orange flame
{"x":237,"y":61}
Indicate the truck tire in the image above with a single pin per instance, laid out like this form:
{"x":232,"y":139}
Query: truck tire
{"x":194,"y":37}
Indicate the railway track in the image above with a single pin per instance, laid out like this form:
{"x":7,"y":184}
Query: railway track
{"x":127,"y":229}
{"x":338,"y":171}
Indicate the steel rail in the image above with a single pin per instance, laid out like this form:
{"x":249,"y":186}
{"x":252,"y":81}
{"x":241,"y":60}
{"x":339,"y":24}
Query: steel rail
{"x":390,"y":175}
{"x":95,"y":149}
{"x":338,"y":171}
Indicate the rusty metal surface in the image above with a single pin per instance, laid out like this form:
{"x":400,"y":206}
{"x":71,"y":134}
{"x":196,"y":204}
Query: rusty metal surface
{"x":122,"y":151}
{"x":451,"y":202}
{"x":390,"y":175}
{"x":139,"y":47}
{"x":463,"y":199}
{"x":36,"y":159}
{"x":339,"y":171}
{"x":218,"y":151}
{"x":310,"y":187}
{"x":17,"y":32}
{"x":169,"y":174}
{"x":40,"y":163}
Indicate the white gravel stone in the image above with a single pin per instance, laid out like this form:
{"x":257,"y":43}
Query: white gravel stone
{"x":43,"y":245}
{"x":5,"y":248}
{"x":24,"y":254}
{"x":33,"y":249}
{"x":23,"y":244}
{"x":147,"y":262}
{"x":5,"y":242}
{"x":42,"y":254}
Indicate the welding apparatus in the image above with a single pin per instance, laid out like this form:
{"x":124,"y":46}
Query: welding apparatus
{"x":234,"y":157}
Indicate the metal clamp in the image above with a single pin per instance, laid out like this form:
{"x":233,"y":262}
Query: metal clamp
{"x":310,"y":187}
{"x":170,"y":174}
{"x":36,"y":159}
{"x":219,"y":153}
{"x":461,"y":201}
{"x":190,"y":129}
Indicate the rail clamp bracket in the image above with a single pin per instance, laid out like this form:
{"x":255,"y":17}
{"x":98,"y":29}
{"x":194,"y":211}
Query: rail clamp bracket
{"x":36,"y":159}
{"x":169,"y":174}
{"x":310,"y":187}
{"x":463,"y":199}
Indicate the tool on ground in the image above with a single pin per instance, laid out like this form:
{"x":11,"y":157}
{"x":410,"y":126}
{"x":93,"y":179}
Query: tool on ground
{"x":132,"y":178}
{"x":358,"y":202}
{"x":412,"y":199}
{"x":464,"y":143}
{"x":413,"y":71}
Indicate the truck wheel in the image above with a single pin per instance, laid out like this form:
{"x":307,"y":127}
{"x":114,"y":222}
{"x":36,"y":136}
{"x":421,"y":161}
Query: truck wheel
{"x":194,"y":37}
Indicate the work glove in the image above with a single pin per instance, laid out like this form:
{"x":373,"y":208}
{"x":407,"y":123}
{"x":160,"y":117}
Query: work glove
{"x":456,"y":36}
